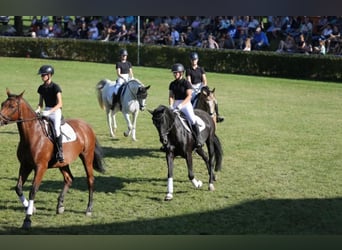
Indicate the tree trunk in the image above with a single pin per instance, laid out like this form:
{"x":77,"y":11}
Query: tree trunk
{"x":18,"y":25}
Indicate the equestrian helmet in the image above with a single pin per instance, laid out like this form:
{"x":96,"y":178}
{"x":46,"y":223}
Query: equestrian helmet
{"x":46,"y":69}
{"x":123,"y":52}
{"x":193,"y":56}
{"x":178,"y":67}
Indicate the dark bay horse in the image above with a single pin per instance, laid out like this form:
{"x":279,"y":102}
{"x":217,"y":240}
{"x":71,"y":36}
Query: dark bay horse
{"x":179,"y":141}
{"x":35,"y":152}
{"x":206,"y":101}
{"x":133,"y":99}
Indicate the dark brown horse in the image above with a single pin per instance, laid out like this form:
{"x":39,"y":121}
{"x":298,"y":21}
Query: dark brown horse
{"x":206,"y":101}
{"x":179,"y":141}
{"x":36,"y":152}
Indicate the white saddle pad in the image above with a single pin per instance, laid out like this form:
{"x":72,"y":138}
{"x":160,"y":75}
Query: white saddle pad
{"x":68,"y":133}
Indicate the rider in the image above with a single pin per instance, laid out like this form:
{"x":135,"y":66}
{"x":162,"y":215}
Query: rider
{"x":197,"y":77}
{"x":51,"y":93}
{"x":180,"y":92}
{"x":124,"y":72}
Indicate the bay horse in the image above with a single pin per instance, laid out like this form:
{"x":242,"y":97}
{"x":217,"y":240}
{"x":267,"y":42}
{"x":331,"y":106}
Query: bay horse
{"x":35,"y":152}
{"x":178,"y":140}
{"x":206,"y":101}
{"x":132,"y":99}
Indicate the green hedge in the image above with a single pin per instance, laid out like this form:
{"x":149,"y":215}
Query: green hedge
{"x":264,"y":63}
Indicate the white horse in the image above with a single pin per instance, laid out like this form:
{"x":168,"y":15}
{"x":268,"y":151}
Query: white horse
{"x":133,"y":97}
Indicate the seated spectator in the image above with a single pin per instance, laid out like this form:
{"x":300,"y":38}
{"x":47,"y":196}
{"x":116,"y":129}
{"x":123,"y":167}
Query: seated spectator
{"x":43,"y":30}
{"x":227,"y":42}
{"x":109,"y":32}
{"x":132,"y":35}
{"x":212,"y":44}
{"x":189,"y":37}
{"x":326,"y":32}
{"x":93,"y":32}
{"x":303,"y":46}
{"x":274,"y":27}
{"x":248,"y":44}
{"x":82,"y":31}
{"x":334,"y":38}
{"x":121,"y":36}
{"x":259,"y":40}
{"x":320,"y":49}
{"x":175,"y":37}
{"x":306,"y":28}
{"x":287,"y":45}
{"x":7,"y":30}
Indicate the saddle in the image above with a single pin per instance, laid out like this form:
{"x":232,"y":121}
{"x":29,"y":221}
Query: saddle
{"x":186,"y":123}
{"x":67,"y":132}
{"x":120,"y":93}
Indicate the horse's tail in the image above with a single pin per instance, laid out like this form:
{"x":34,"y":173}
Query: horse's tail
{"x":99,"y":87}
{"x":98,"y":158}
{"x":218,"y":153}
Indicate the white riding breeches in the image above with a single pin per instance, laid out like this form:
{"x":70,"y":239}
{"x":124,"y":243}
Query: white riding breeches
{"x":56,"y":118}
{"x":187,"y":109}
{"x":120,"y":81}
{"x":196,"y":89}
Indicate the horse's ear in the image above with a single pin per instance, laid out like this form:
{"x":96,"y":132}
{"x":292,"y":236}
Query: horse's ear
{"x":147,"y":87}
{"x":150,"y":111}
{"x":213,"y":90}
{"x":8,"y":92}
{"x":204,"y":92}
{"x":21,"y":94}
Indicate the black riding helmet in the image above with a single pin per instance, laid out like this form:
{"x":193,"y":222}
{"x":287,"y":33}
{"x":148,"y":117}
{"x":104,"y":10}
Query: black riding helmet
{"x":123,"y":52}
{"x":46,"y":69}
{"x":177,"y":68}
{"x":193,"y":56}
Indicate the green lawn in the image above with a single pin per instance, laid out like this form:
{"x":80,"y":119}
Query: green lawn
{"x":281,"y":173}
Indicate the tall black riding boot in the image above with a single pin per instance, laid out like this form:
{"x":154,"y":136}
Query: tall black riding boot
{"x":218,"y":118}
{"x":114,"y":101}
{"x":59,"y":144}
{"x":197,"y":134}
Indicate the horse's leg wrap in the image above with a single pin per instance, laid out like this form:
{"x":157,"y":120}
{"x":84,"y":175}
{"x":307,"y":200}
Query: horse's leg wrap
{"x":24,"y":201}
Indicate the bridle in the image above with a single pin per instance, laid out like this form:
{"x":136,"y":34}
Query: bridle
{"x":8,"y":120}
{"x":139,"y":95}
{"x":164,"y":134}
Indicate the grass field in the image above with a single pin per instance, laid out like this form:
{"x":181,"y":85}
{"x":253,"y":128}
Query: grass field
{"x":281,"y":173}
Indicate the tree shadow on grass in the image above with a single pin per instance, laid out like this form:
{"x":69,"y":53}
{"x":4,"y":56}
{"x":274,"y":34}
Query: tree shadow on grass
{"x":270,"y":217}
{"x":129,"y":152}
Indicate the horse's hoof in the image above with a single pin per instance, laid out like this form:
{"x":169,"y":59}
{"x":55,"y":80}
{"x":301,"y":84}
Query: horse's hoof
{"x":200,"y":184}
{"x":60,"y":210}
{"x":126,"y":134}
{"x":27,"y":224}
{"x":211,"y":187}
{"x":168,"y":197}
{"x":88,"y":214}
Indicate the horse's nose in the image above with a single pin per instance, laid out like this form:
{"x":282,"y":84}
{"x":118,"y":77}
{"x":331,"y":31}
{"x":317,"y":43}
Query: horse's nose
{"x":142,"y":108}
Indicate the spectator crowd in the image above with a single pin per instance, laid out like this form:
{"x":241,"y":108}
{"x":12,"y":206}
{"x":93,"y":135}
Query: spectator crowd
{"x":291,"y":34}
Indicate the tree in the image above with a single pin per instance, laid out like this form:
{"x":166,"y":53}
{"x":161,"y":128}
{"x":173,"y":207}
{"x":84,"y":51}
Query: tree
{"x":18,"y":25}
